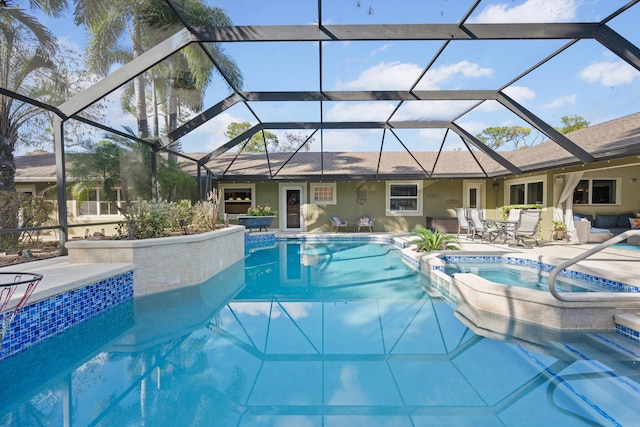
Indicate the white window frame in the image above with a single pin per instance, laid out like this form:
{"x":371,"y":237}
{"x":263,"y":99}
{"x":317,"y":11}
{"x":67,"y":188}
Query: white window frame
{"x":223,"y":187}
{"x":315,"y":185}
{"x":618,"y":181}
{"x":525,"y":181}
{"x":98,"y":202}
{"x":417,"y":212}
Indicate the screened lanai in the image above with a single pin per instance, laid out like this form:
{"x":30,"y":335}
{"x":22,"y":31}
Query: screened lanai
{"x":373,"y":89}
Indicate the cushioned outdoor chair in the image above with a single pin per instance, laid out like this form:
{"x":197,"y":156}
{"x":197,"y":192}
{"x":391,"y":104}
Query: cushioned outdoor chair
{"x":366,"y":222}
{"x":337,"y":223}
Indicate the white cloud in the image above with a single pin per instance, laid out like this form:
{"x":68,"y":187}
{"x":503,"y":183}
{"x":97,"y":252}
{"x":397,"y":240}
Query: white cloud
{"x":609,"y":73}
{"x":381,"y":49}
{"x":362,"y":111}
{"x":385,"y":76}
{"x":338,"y":140}
{"x":489,"y":106}
{"x":473,"y":128}
{"x":432,"y":110}
{"x":520,"y":93}
{"x":401,"y":75}
{"x":529,"y":11}
{"x":560,"y":101}
{"x":437,"y":76}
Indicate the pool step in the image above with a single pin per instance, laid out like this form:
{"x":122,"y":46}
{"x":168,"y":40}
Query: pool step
{"x":628,"y":325}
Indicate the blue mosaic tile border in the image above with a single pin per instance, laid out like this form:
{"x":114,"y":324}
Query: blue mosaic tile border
{"x":259,"y":238}
{"x":611,"y":285}
{"x":627,"y":332}
{"x":52,"y":316}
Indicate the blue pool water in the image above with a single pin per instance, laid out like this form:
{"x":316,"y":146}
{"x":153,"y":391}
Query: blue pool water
{"x":524,"y":277}
{"x":315,"y":334}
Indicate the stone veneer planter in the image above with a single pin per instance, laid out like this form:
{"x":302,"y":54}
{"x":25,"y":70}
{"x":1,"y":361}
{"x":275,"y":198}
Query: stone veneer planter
{"x":166,"y":262}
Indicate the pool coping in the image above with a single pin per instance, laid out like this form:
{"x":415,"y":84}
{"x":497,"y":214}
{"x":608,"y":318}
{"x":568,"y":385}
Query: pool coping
{"x":471,"y":294}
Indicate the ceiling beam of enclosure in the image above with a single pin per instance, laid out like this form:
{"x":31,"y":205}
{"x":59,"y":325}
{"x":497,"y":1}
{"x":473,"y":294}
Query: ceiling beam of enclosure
{"x":572,"y":32}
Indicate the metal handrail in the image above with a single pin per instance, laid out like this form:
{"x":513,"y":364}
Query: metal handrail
{"x":585,"y":296}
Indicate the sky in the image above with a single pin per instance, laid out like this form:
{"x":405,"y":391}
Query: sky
{"x":585,"y":79}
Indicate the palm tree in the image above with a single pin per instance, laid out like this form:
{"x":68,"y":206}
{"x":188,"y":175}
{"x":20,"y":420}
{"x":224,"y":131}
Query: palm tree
{"x":26,"y":49}
{"x":180,"y":80}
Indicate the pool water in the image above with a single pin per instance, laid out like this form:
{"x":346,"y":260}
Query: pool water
{"x":523,"y":276}
{"x":314,"y":334}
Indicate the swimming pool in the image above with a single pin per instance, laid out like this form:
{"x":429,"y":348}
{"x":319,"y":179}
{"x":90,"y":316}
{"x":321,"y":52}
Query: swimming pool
{"x":314,"y":334}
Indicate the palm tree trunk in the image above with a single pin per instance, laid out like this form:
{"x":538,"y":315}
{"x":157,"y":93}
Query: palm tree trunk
{"x":7,"y":164}
{"x":139,"y":85}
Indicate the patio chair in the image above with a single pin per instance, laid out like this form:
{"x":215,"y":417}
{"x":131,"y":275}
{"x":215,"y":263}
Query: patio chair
{"x":366,"y":222}
{"x":527,"y":227}
{"x":481,"y":227}
{"x":463,"y":221}
{"x":337,"y":223}
{"x":509,"y":225}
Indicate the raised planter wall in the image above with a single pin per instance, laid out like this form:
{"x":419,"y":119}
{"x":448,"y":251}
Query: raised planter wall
{"x":167,"y":262}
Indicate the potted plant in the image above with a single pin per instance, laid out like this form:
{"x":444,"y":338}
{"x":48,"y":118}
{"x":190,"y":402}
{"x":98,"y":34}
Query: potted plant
{"x":430,"y":240}
{"x":559,"y":228}
{"x":258,"y":217}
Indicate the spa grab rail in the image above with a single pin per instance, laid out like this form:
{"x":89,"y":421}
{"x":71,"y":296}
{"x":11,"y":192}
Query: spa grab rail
{"x":585,"y":296}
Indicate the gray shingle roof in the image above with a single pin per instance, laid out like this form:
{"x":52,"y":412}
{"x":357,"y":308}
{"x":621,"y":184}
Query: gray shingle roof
{"x":613,"y":139}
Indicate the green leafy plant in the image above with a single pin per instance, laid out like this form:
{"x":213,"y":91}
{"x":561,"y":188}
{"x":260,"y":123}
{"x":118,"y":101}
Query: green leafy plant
{"x":261,"y":211}
{"x":430,"y":240}
{"x":147,"y":220}
{"x":559,"y":226}
{"x":19,"y":210}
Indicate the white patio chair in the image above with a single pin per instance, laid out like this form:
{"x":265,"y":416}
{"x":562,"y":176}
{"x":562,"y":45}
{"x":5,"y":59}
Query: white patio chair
{"x":337,"y":223}
{"x":527,"y":227}
{"x":481,"y":227}
{"x":463,"y":221}
{"x":366,"y":222}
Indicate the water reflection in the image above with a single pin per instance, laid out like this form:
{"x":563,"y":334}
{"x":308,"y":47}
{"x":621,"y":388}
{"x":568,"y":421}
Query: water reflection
{"x":284,"y":339}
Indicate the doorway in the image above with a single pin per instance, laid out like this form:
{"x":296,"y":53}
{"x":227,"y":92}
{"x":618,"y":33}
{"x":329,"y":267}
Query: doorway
{"x":291,"y":207}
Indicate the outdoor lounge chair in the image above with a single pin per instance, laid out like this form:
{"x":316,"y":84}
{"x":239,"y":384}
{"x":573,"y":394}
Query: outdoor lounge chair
{"x":527,"y":227}
{"x":463,"y":221}
{"x":366,"y":222}
{"x":337,"y":223}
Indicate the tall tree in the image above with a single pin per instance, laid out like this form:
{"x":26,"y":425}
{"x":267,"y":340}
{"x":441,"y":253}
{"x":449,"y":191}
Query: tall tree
{"x":511,"y":137}
{"x":109,"y":22}
{"x":256,"y":143}
{"x":572,"y":123}
{"x":179,"y":81}
{"x":26,"y":49}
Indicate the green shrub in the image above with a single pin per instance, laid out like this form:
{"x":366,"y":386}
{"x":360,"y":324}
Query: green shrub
{"x":504,"y":210}
{"x":21,"y":210}
{"x":430,"y":240}
{"x":149,"y":220}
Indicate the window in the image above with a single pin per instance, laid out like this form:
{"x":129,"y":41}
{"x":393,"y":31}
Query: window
{"x":404,"y":198}
{"x":94,"y":205}
{"x":526,"y":193}
{"x":237,"y":198}
{"x":323,"y":194}
{"x":596,"y":192}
